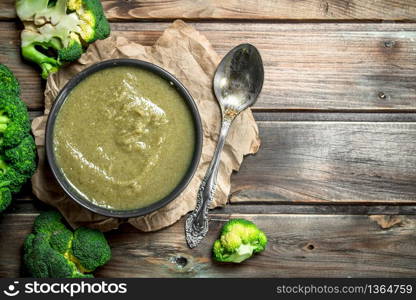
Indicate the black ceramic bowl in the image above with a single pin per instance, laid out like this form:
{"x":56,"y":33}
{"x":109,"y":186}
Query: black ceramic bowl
{"x":60,"y":100}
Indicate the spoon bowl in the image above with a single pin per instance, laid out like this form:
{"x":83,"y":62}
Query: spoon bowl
{"x":239,"y":78}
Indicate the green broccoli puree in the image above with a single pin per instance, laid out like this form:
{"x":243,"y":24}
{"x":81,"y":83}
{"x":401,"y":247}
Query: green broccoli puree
{"x":124,"y":138}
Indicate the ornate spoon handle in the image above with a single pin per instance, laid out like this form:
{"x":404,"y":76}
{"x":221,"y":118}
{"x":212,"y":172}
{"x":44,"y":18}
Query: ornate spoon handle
{"x":196,"y":226}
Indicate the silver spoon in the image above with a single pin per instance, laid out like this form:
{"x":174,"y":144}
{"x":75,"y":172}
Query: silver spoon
{"x":237,"y":84}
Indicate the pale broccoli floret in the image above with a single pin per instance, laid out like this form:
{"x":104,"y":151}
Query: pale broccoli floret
{"x":238,"y":241}
{"x":58,"y":31}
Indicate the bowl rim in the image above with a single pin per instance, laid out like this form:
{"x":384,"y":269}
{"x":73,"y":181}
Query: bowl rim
{"x":60,"y":100}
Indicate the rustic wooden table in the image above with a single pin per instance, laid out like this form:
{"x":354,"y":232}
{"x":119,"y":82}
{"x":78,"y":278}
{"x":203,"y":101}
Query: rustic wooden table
{"x":334,"y":184}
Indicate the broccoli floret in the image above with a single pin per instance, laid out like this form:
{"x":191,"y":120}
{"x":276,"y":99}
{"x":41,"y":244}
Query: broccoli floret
{"x":18,"y":164}
{"x":48,"y":222}
{"x":23,"y":156}
{"x":61,"y":240}
{"x":94,"y":24}
{"x":17,"y":147}
{"x":73,"y":51}
{"x":14,"y":120}
{"x":8,"y":83}
{"x":10,"y":177}
{"x":30,"y":52}
{"x":59,"y":31}
{"x":42,"y":261}
{"x":5,"y":198}
{"x":65,"y":44}
{"x":239,"y":240}
{"x":90,"y":248}
{"x":49,"y":250}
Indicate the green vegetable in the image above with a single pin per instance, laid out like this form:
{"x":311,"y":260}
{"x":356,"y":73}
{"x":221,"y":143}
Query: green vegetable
{"x":14,"y":120}
{"x":94,"y":25}
{"x":23,"y":156}
{"x":5,"y":198}
{"x":17,"y":147}
{"x":90,"y":248}
{"x":8,"y":83}
{"x":239,"y":240}
{"x":59,"y":31}
{"x":53,"y":251}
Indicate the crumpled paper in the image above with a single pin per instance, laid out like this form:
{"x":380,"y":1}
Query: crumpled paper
{"x":189,"y":56}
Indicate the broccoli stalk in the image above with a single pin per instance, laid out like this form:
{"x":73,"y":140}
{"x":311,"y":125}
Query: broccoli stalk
{"x":53,"y":251}
{"x":47,"y":64}
{"x":59,"y":31}
{"x":239,"y":240}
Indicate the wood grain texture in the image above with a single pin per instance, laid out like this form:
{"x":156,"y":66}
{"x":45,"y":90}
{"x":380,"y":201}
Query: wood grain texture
{"x":304,"y":160}
{"x":328,"y":163}
{"x":308,"y":66}
{"x":337,"y":162}
{"x":34,"y":206}
{"x":250,"y":9}
{"x":299,"y":246}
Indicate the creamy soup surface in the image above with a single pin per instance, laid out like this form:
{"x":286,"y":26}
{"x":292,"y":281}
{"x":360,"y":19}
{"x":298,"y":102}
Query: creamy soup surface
{"x":124,"y":138}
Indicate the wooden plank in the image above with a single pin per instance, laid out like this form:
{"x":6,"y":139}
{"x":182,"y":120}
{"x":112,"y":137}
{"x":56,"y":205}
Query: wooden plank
{"x":31,"y":205}
{"x":323,"y":66}
{"x":344,"y":67}
{"x":330,"y":163}
{"x":310,"y":209}
{"x":337,"y":162}
{"x":328,"y":116}
{"x":299,"y":246}
{"x":250,"y":10}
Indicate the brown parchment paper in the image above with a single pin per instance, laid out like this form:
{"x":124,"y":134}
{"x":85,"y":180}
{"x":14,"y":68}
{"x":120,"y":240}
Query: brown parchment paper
{"x":189,"y":56}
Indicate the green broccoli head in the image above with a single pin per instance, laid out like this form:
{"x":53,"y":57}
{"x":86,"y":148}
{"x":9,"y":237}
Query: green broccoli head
{"x":94,"y":24}
{"x":23,"y":156}
{"x":8,"y":83}
{"x":90,"y":248}
{"x":48,"y":251}
{"x":12,"y":178}
{"x":18,"y":152}
{"x":73,"y":51}
{"x":59,"y":31}
{"x":5,"y":198}
{"x":48,"y":222}
{"x":18,"y":164}
{"x":14,"y":120}
{"x":42,"y":261}
{"x":239,"y":240}
{"x":18,"y":160}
